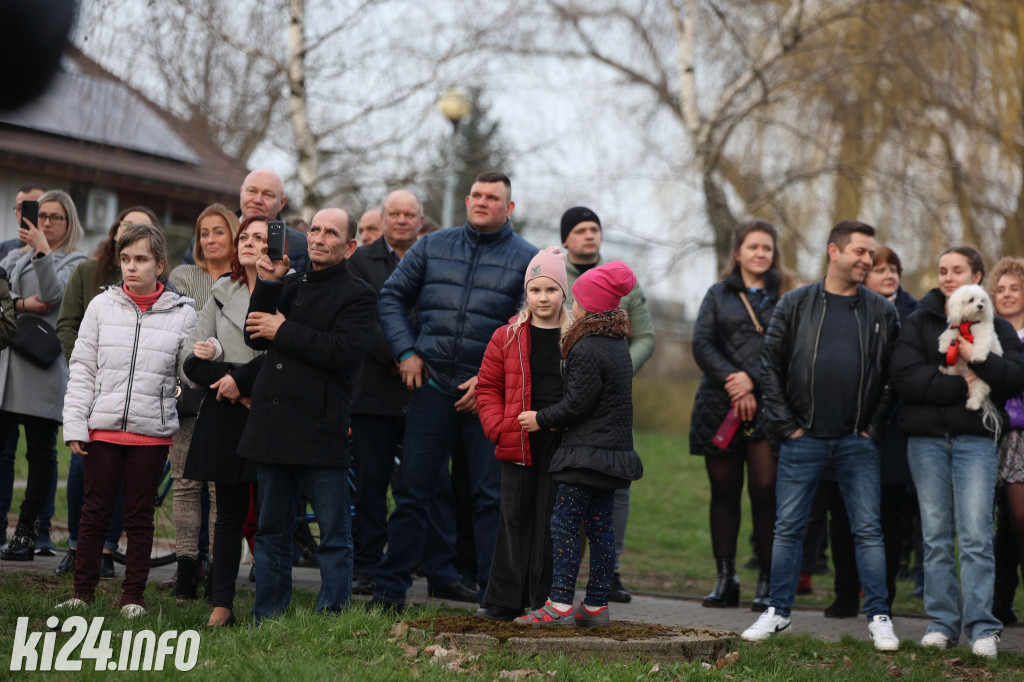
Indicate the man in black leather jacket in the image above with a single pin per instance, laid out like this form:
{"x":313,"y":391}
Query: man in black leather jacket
{"x":824,"y":374}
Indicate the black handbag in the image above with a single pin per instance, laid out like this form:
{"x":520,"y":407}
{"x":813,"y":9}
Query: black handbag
{"x":36,"y":341}
{"x":189,"y":399}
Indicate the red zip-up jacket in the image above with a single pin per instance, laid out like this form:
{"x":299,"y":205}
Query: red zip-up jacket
{"x":503,"y":391}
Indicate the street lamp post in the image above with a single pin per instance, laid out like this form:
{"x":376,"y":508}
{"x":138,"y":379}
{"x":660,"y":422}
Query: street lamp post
{"x":455,"y":106}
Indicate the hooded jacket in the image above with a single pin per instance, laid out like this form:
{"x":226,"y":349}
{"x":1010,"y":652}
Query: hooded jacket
{"x":463,"y":285}
{"x":791,"y":348}
{"x":935,"y":404}
{"x":125,"y":365}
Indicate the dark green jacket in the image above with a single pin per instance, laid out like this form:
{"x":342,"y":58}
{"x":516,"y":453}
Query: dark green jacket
{"x":80,"y":291}
{"x":641,"y":343}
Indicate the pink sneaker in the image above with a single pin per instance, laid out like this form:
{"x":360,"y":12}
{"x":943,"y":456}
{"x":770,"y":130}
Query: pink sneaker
{"x":548,"y":615}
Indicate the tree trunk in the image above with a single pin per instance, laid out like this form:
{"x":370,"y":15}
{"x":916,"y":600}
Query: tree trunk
{"x":308,"y":167}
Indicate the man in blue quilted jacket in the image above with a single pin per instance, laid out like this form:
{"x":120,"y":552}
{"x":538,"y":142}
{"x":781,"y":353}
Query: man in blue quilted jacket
{"x":463,"y":283}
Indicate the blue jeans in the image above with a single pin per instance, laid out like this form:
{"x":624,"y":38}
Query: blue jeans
{"x":76,"y":495}
{"x":432,"y":424}
{"x":854,"y":459}
{"x":955,"y":479}
{"x":280,"y":487}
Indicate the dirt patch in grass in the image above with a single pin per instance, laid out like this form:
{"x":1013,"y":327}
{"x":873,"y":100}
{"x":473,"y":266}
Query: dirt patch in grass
{"x":504,"y":630}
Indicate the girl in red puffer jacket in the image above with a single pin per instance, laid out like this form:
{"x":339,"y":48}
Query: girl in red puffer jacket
{"x":521,"y":371}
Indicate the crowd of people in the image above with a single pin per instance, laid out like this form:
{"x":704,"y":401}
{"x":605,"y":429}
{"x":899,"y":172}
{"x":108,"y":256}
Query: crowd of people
{"x":270,"y":383}
{"x":837,"y":398}
{"x":489,"y":386}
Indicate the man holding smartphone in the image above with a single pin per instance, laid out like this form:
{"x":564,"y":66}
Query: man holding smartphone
{"x":316,"y":328}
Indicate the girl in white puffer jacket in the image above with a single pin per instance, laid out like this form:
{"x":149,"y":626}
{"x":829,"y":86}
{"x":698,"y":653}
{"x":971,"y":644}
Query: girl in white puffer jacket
{"x":119,"y":411}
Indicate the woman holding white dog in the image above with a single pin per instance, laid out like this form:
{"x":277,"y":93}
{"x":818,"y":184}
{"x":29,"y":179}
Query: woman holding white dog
{"x":952,"y":453}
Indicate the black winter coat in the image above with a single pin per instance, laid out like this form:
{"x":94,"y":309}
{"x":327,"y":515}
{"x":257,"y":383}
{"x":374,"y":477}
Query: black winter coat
{"x":934,"y":404}
{"x":893,"y":448}
{"x":379,"y":388}
{"x":791,"y":347}
{"x":597,"y":405}
{"x":725,"y":341}
{"x":302,"y":397}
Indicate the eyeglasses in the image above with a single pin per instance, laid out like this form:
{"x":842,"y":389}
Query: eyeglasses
{"x":55,"y":218}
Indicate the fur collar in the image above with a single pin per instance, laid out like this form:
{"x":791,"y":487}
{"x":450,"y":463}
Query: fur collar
{"x":613,"y":323}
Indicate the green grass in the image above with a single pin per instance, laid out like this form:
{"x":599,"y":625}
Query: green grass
{"x":357,"y":645}
{"x":668,"y":544}
{"x":668,"y":549}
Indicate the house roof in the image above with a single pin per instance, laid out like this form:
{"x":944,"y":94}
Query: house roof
{"x":93,"y":127}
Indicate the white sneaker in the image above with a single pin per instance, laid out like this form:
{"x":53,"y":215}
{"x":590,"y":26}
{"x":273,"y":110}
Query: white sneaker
{"x":880,"y":629}
{"x":986,"y":646}
{"x":132,"y":610}
{"x":73,"y":603}
{"x":766,"y":625}
{"x":936,"y":640}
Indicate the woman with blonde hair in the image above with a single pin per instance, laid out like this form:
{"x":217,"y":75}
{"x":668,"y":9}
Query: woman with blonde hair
{"x":32,"y":384}
{"x":520,"y":371}
{"x":1006,"y":287}
{"x":216,"y":229}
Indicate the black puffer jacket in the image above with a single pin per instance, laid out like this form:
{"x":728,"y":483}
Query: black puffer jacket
{"x":725,"y":341}
{"x":597,"y":405}
{"x":934,"y":404}
{"x":791,"y":348}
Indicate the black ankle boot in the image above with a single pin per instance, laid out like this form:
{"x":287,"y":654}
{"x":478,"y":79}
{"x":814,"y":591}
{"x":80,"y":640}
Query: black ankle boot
{"x":727,"y":589}
{"x":763,"y":598}
{"x":188,"y":574}
{"x":22,"y":546}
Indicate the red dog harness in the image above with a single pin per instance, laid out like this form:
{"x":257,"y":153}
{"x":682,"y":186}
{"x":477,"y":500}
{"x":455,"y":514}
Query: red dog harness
{"x":953,"y":352}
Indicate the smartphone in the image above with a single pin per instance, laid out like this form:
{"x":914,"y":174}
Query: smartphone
{"x":276,"y":240}
{"x":29,"y":211}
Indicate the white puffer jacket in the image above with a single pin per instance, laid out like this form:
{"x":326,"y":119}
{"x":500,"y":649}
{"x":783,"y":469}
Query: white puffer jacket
{"x":125,"y":364}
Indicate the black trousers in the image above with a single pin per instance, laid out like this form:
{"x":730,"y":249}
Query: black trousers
{"x":521,"y":569}
{"x":232,"y":508}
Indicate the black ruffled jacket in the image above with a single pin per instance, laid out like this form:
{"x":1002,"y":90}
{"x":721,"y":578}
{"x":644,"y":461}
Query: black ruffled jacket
{"x":725,"y":341}
{"x":934,"y":404}
{"x":597,"y":405}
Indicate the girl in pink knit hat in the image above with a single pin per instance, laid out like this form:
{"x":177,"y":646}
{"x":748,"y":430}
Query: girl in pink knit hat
{"x":596,"y":454}
{"x":521,"y":370}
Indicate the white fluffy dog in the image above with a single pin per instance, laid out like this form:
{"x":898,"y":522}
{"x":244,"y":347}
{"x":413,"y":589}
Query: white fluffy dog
{"x":970,"y":314}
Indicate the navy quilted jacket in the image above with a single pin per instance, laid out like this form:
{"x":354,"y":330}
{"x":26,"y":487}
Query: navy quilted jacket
{"x":463,"y":285}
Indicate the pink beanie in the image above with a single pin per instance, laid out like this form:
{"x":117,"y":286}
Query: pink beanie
{"x":602,"y":288}
{"x":549,"y":263}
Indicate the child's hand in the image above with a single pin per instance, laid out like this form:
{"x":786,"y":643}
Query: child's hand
{"x":528,"y":420}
